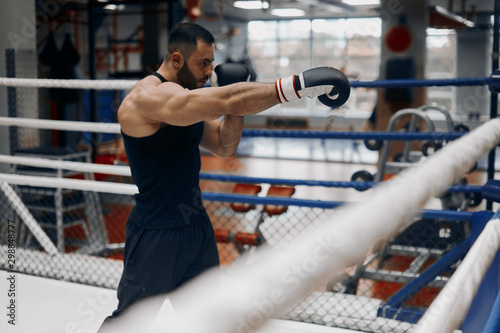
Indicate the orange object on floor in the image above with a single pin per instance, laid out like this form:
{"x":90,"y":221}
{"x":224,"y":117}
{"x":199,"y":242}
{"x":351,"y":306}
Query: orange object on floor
{"x":246,"y":238}
{"x":278,"y":191}
{"x":388,"y":176}
{"x":240,"y":238}
{"x":247,"y":189}
{"x":384,"y":290}
{"x":222,"y":235}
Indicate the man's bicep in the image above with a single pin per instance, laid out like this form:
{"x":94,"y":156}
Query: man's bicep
{"x":182,"y":107}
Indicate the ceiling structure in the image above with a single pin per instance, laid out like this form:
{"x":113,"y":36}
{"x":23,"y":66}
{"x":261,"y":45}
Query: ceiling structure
{"x":311,"y":9}
{"x":332,"y":8}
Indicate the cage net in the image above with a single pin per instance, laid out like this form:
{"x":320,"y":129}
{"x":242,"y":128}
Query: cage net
{"x":21,"y":101}
{"x":85,"y":233}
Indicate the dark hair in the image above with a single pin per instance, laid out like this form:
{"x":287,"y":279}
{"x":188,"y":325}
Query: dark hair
{"x":184,"y":39}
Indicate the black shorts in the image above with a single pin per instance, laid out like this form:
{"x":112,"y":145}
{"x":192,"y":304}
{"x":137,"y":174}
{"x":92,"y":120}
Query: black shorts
{"x":157,"y":261}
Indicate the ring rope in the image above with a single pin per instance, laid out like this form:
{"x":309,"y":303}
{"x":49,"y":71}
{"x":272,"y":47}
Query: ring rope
{"x":453,"y":302}
{"x":324,"y":250}
{"x":114,"y":128}
{"x":402,"y":136}
{"x":68,"y":84}
{"x":131,"y":189}
{"x":322,"y":183}
{"x":122,"y":170}
{"x":128,"y":84}
{"x":63,"y":125}
{"x":415,"y":83}
{"x":75,"y":184}
{"x":450,"y":215}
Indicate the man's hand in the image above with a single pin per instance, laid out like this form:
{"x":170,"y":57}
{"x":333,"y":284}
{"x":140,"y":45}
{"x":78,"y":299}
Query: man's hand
{"x":327,"y":83}
{"x":228,"y":73}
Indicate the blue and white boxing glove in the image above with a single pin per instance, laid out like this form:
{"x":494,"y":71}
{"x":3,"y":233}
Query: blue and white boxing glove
{"x":228,"y":73}
{"x":330,"y":85}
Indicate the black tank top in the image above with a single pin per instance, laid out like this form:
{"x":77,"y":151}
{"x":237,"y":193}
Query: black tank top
{"x":165,"y":167}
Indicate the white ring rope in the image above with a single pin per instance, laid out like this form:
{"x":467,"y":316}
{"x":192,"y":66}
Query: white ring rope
{"x":273,"y":279}
{"x":69,"y":84}
{"x":73,"y":184}
{"x":455,"y":299}
{"x":120,"y":170}
{"x":63,"y":125}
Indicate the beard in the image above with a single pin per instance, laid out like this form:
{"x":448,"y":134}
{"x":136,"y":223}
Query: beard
{"x":186,"y":77}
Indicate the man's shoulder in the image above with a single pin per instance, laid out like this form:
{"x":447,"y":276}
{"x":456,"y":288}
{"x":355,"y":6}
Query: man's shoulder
{"x":133,"y":113}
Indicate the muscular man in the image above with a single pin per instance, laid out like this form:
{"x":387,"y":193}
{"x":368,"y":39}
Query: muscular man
{"x":164,"y":120}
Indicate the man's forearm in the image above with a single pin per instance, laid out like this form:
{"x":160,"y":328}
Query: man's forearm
{"x":230,"y":133}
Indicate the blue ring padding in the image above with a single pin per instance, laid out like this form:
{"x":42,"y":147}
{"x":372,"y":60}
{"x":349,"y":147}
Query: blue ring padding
{"x":493,"y":322}
{"x":250,"y":199}
{"x":415,"y":83}
{"x":401,"y":136}
{"x":491,"y":190}
{"x":494,"y":81}
{"x":443,"y":263}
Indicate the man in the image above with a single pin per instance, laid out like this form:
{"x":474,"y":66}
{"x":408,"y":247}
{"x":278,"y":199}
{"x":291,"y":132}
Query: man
{"x":164,"y":120}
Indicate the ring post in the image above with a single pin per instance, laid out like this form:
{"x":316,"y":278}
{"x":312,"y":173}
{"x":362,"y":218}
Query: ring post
{"x":494,"y":95}
{"x":490,"y":286}
{"x":494,"y":81}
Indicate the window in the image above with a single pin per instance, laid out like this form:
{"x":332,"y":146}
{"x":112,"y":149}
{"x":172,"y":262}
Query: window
{"x":440,"y":64}
{"x":281,"y":48}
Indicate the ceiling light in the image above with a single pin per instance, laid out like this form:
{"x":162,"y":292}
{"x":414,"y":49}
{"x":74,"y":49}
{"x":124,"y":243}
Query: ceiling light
{"x":361,"y":2}
{"x":252,"y":4}
{"x":288,"y":12}
{"x":114,"y":7}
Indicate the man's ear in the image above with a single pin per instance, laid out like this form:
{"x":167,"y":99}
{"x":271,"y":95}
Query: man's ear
{"x":177,"y":60}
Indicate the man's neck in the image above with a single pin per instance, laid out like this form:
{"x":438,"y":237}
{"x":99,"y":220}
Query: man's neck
{"x":167,"y":72}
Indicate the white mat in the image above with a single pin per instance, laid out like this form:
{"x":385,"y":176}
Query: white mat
{"x":51,"y":306}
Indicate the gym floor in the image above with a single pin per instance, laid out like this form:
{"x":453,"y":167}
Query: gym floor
{"x":51,"y":306}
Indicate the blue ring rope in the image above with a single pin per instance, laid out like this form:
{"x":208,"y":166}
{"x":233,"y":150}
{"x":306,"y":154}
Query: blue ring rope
{"x":402,"y":136}
{"x":250,"y":199}
{"x":278,"y":201}
{"x":323,"y":183}
{"x":281,"y":181}
{"x":415,"y":83}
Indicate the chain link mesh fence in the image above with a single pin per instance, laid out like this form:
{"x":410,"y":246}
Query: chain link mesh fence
{"x":79,"y":236}
{"x":22,"y":102}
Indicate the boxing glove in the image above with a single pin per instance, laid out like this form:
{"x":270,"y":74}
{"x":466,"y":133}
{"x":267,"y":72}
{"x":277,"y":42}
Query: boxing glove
{"x":228,"y":73}
{"x":330,"y":85}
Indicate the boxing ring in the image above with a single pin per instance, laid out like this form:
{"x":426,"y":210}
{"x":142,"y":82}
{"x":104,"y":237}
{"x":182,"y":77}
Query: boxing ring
{"x":264,"y":284}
